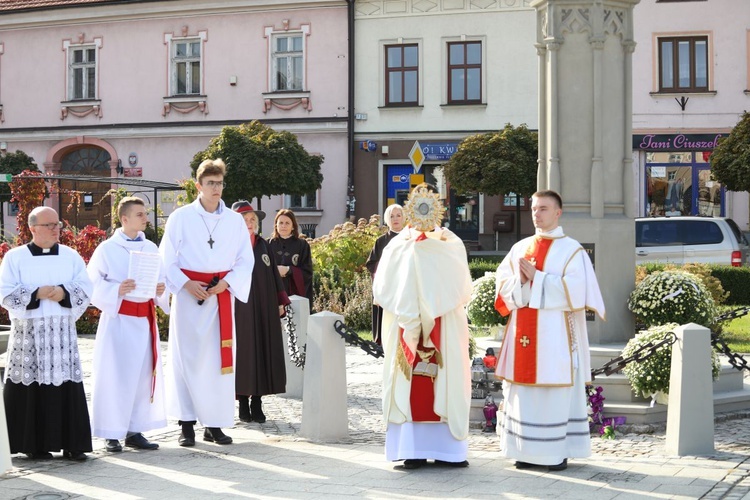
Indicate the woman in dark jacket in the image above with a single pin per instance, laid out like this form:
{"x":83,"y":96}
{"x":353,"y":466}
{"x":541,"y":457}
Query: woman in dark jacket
{"x":394,"y":218}
{"x":260,"y":365}
{"x":292,"y":255}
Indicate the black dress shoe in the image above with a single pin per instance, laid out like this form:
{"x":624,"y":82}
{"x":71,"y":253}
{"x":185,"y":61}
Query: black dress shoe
{"x":113,"y":446}
{"x":78,"y":456}
{"x":42,"y":455}
{"x":414,"y":463}
{"x":524,"y":465}
{"x":140,"y":442}
{"x":561,"y":466}
{"x":184,"y":440}
{"x":215,"y":435}
{"x":464,"y":463}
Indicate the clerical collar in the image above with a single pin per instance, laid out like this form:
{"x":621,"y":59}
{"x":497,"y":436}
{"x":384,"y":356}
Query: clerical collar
{"x":139,"y":236}
{"x":38,"y":251}
{"x":555,"y":233}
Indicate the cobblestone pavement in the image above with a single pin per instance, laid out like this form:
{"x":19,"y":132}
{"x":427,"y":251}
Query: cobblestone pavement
{"x":271,"y":460}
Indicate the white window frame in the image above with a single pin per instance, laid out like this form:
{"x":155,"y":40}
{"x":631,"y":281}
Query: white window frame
{"x":70,"y":67}
{"x":272,"y":35}
{"x":290,"y":55}
{"x":303,"y":203}
{"x":172,"y":43}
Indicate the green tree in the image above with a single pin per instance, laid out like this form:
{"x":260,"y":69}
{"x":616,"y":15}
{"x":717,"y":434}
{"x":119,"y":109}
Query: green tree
{"x":14,"y":163}
{"x":730,"y":161}
{"x":262,"y":162}
{"x":496,"y":164}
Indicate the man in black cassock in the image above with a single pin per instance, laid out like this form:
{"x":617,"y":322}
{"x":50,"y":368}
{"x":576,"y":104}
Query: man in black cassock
{"x":45,"y":288}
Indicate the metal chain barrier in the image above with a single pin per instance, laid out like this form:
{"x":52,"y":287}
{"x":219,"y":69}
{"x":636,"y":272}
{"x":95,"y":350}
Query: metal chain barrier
{"x":297,"y":356}
{"x":616,"y":364}
{"x":736,"y":360}
{"x":351,"y":337}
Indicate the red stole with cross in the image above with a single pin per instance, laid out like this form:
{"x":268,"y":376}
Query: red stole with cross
{"x":526,"y":334}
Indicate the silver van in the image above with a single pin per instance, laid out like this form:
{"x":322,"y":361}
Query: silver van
{"x":681,"y":240}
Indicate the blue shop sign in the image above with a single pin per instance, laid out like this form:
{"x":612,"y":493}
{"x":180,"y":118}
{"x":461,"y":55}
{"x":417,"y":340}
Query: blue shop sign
{"x":438,"y":151}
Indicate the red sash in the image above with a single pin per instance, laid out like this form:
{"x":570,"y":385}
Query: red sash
{"x":226,"y":318}
{"x":146,"y":310}
{"x":525,"y":359}
{"x":422,"y":395}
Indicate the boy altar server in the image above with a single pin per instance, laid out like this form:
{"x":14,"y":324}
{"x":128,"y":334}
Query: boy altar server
{"x":128,"y":395}
{"x":208,"y":259}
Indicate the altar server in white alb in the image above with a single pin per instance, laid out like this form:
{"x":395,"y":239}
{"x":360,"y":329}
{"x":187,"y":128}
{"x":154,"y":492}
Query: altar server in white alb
{"x":423,"y":284}
{"x":209,"y":262}
{"x":45,"y":288}
{"x":128,"y":394}
{"x":546,"y":283}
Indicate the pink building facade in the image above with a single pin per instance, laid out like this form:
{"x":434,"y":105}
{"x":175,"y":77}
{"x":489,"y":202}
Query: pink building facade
{"x":135,"y":89}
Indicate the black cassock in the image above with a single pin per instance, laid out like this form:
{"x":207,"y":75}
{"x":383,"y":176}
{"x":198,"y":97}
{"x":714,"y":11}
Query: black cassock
{"x":295,"y":253}
{"x":260,"y":366}
{"x":372,"y":266}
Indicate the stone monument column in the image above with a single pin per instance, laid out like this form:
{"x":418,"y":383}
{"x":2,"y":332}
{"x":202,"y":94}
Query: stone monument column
{"x":585,"y":50}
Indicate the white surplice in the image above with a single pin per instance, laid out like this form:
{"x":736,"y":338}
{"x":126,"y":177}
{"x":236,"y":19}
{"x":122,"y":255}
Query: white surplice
{"x":417,"y":282}
{"x":43,"y":345}
{"x":122,"y":374}
{"x":196,"y":387}
{"x":544,"y":419}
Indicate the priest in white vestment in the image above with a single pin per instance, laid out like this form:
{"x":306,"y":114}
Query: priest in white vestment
{"x":128,"y":393}
{"x":546,"y":283}
{"x":45,"y":288}
{"x":423,"y":284}
{"x":209,"y":262}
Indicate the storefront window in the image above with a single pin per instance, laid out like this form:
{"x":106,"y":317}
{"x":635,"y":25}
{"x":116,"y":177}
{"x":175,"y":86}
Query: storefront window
{"x":679,"y":183}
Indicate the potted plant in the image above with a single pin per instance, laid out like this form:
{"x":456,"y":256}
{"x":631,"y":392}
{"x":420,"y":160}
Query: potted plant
{"x":672,"y":297}
{"x":481,"y":307}
{"x":650,"y":377}
{"x":663,"y":301}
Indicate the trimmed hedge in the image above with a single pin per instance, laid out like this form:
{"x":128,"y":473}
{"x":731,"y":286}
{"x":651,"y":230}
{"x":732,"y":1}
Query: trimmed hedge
{"x":735,"y":280}
{"x":480,"y":266}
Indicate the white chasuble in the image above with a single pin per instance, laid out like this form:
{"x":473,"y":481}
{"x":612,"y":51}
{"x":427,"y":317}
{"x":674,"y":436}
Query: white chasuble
{"x":43,"y":346}
{"x":544,"y":359}
{"x":123,"y":372}
{"x":198,"y":241}
{"x":421,"y":277}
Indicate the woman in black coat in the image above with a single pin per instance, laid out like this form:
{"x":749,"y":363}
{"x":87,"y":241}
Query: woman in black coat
{"x":292,"y":254}
{"x":394,"y":218}
{"x":260,"y":366}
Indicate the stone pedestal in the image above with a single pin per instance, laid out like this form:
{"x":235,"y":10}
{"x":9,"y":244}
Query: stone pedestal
{"x":324,"y":410}
{"x":690,"y":413}
{"x":295,"y":375}
{"x":585,"y":138}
